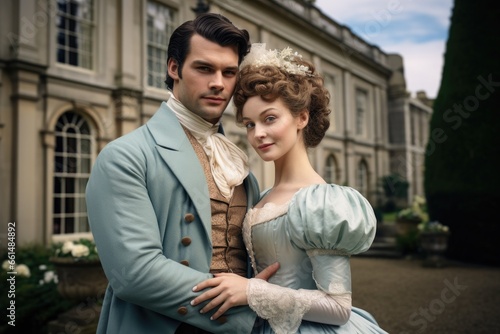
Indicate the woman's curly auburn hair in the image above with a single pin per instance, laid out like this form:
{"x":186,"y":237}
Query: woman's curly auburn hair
{"x":299,"y":92}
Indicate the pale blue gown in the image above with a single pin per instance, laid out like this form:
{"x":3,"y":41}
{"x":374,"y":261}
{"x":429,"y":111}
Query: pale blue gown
{"x":312,"y":237}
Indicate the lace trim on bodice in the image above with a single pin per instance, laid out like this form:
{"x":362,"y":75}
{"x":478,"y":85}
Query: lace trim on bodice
{"x":257,"y":216}
{"x":268,"y":212}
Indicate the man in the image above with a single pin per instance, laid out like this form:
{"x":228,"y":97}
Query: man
{"x":166,"y":201}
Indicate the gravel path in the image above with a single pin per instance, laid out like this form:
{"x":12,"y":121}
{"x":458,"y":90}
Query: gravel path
{"x":406,"y":297}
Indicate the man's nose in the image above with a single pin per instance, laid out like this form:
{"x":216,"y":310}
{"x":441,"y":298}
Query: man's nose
{"x":217,"y":82}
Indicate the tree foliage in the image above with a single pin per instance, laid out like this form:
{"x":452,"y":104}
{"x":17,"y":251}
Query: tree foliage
{"x":462,"y":176}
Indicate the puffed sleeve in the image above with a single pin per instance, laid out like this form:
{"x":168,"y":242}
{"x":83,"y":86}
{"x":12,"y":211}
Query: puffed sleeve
{"x":331,"y":223}
{"x":331,"y":217}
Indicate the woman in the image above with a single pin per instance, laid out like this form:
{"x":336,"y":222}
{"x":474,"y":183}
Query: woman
{"x":308,"y":226}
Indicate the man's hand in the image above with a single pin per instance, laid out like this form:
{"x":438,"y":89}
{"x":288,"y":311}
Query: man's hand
{"x":227,"y":290}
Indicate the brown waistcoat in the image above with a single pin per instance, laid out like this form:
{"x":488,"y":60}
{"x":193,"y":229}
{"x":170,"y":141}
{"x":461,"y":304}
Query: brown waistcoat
{"x":228,"y":250}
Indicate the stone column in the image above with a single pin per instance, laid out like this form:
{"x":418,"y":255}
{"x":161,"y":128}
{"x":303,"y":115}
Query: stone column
{"x":28,"y":161}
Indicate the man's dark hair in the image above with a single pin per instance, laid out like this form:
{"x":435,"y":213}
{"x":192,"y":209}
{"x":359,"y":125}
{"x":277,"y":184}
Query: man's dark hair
{"x":214,"y":27}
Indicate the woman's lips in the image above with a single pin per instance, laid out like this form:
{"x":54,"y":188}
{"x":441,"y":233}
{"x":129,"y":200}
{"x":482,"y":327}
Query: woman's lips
{"x":264,"y":146}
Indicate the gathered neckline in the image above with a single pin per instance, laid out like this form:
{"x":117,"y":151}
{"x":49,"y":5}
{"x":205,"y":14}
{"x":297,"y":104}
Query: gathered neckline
{"x":293,"y":196}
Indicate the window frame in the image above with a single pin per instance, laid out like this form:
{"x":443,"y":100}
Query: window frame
{"x":80,"y":176}
{"x":158,"y":76}
{"x":92,"y":54}
{"x":363,"y":177}
{"x":361,"y":127}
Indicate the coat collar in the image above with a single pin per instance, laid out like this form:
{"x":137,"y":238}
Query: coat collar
{"x":176,"y":150}
{"x":166,"y":129}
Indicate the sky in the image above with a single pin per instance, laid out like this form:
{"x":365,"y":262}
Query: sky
{"x":417,"y":30}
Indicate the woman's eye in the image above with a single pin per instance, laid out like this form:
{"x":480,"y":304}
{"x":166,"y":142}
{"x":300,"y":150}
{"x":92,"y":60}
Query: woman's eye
{"x":270,"y":118}
{"x":249,"y":125}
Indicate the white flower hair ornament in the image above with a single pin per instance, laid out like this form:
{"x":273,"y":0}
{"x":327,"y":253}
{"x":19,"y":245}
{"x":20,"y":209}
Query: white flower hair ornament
{"x":284,"y":59}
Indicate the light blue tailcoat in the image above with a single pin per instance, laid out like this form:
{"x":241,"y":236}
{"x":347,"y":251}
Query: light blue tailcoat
{"x":141,"y":188}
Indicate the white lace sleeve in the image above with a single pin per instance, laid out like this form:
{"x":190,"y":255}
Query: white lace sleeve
{"x":282,"y":307}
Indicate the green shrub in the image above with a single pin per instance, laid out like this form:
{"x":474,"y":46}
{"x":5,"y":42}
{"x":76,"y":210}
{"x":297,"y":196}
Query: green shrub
{"x":37,"y":300}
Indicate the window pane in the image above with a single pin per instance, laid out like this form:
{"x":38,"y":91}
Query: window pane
{"x":69,"y":205}
{"x":84,"y":165}
{"x":58,"y":164}
{"x":85,"y":145}
{"x":57,"y":205}
{"x":82,"y":184}
{"x":71,"y":164}
{"x":56,"y":226}
{"x":57,"y":185}
{"x":82,"y":205}
{"x":69,"y":225}
{"x":83,"y":224}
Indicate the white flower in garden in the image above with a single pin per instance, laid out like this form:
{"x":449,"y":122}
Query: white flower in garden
{"x":49,"y":276}
{"x":6,"y":265}
{"x":23,"y":270}
{"x":67,"y":247}
{"x":80,"y":250}
{"x":76,"y":249}
{"x":42,"y":267}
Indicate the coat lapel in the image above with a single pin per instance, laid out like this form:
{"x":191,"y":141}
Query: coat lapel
{"x":176,"y":150}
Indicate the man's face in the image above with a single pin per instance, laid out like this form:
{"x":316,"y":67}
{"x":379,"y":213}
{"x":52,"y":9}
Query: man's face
{"x":208,"y":78}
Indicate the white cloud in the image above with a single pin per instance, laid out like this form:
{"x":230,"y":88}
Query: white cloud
{"x":415,"y":29}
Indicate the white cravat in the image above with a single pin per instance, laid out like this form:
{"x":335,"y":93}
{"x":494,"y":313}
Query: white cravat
{"x":228,"y":163}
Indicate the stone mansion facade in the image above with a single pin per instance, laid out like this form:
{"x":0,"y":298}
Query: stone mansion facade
{"x":76,"y":74}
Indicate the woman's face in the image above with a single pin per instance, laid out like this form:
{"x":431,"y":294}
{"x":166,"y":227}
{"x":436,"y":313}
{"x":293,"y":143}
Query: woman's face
{"x":271,"y":129}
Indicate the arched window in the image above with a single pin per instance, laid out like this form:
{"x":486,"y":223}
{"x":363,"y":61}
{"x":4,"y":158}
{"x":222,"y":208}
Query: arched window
{"x":72,"y":162}
{"x":362,"y":178}
{"x":331,"y":169}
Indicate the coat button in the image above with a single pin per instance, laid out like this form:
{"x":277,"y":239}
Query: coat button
{"x":186,"y":241}
{"x":182,"y":310}
{"x":189,"y":217}
{"x":185,"y":262}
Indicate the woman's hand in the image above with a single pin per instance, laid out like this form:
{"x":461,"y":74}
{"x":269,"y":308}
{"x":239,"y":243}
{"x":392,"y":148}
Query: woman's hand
{"x":227,"y":290}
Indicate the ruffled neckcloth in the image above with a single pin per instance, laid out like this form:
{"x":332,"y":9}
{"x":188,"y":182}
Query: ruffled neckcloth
{"x":228,"y":163}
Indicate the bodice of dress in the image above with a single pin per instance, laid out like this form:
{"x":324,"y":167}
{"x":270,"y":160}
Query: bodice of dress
{"x":265,"y":230}
{"x":318,"y":228}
